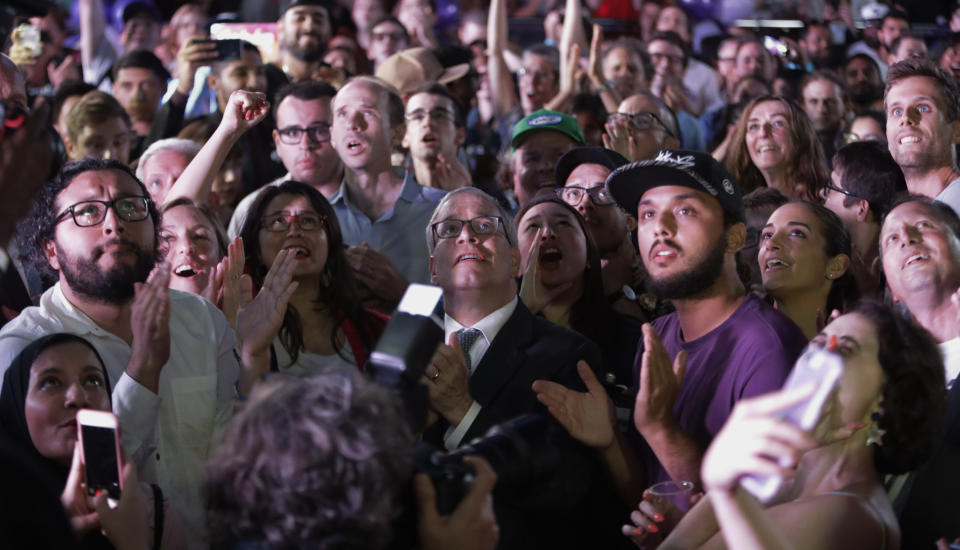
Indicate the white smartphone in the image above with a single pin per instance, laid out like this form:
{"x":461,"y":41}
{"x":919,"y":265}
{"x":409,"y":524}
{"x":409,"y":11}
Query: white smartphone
{"x":815,"y":366}
{"x":100,"y":445}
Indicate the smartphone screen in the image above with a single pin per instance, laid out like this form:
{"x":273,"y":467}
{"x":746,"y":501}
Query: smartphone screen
{"x":100,"y":455}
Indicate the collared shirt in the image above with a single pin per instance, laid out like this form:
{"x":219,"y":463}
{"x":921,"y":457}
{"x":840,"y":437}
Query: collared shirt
{"x":399,"y":233}
{"x":167,"y":434}
{"x":950,"y":350}
{"x":489,"y":327}
{"x":951,"y":195}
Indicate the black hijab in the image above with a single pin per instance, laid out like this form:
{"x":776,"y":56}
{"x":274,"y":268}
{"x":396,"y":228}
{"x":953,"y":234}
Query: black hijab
{"x":13,"y":420}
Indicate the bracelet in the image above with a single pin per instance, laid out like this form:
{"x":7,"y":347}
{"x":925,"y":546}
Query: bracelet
{"x":605,"y":87}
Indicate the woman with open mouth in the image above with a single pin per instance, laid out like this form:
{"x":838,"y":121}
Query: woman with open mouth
{"x":292,"y":235}
{"x":561,"y":280}
{"x":804,"y":259}
{"x":193,"y":242}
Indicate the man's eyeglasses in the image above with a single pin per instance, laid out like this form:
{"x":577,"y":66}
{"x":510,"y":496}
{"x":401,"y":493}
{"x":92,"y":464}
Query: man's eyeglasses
{"x":827,"y":188}
{"x":641,"y":121}
{"x":89,"y":213}
{"x":438,"y":114}
{"x":481,"y":225}
{"x":281,"y":222}
{"x":573,"y":195}
{"x":316,"y":133}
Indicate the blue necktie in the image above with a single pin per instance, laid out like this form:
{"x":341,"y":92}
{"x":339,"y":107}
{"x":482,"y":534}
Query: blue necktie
{"x":467,"y":337}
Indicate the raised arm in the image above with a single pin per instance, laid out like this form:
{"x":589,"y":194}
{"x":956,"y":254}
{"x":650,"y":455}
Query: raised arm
{"x":92,"y":31}
{"x":244,"y":110}
{"x":653,"y":415}
{"x":504,"y":95}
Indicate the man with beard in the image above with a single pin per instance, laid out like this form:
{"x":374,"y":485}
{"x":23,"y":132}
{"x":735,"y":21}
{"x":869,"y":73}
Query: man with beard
{"x":922,"y":103}
{"x":861,"y":73}
{"x":722,"y":344}
{"x":169,"y":355}
{"x":138,"y":82}
{"x":304,"y":29}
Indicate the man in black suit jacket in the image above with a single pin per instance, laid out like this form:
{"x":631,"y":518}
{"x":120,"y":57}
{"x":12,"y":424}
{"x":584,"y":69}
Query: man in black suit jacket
{"x":921,"y":261}
{"x":483,"y":377}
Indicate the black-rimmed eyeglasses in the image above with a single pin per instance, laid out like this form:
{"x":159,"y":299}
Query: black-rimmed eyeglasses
{"x":93,"y":212}
{"x":316,"y":133}
{"x":574,"y":195}
{"x":827,"y":188}
{"x":481,"y":225}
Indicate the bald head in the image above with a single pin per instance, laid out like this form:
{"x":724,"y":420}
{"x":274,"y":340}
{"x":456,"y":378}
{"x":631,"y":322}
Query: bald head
{"x":13,"y":85}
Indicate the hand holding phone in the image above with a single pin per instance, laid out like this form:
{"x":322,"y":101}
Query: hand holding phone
{"x":821,"y":368}
{"x":100,"y":447}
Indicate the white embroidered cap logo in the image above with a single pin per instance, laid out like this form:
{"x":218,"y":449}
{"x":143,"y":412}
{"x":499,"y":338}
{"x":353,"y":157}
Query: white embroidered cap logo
{"x":545,"y":120}
{"x":685,"y":161}
{"x":727,"y":186}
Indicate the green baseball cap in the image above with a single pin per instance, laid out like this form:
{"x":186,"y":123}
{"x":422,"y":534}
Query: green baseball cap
{"x":543,"y":121}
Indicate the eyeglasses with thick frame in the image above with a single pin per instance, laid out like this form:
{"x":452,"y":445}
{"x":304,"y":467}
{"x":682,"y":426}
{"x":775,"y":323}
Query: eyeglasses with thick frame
{"x":481,"y":225}
{"x":281,"y":221}
{"x":828,"y":187}
{"x":317,"y":133}
{"x":573,"y":195}
{"x":642,"y":120}
{"x":93,"y":212}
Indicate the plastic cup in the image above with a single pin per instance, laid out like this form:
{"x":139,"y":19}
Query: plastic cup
{"x":677,"y":492}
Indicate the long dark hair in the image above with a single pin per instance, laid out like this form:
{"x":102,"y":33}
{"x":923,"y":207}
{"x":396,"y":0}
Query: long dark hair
{"x":591,"y":315}
{"x":844,"y":292}
{"x":336,"y":288}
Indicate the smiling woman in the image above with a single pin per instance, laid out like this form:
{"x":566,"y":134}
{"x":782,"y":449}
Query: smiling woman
{"x":192,"y":242}
{"x":775,"y":145}
{"x":804,"y":259}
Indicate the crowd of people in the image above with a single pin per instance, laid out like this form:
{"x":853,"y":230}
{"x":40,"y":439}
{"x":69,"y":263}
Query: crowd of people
{"x":640,"y":214}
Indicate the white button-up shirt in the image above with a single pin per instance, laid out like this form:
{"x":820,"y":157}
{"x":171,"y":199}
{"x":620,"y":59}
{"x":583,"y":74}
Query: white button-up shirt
{"x":489,"y":327}
{"x":169,"y":434}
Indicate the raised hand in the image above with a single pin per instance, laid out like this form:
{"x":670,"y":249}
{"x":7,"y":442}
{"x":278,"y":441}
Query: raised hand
{"x":193,"y":54}
{"x":617,"y":137}
{"x":150,"y":325}
{"x":659,"y":384}
{"x":588,"y":417}
{"x":243,"y":111}
{"x":472,"y":526}
{"x":446,"y":380}
{"x":125,"y":525}
{"x":377,"y":272}
{"x":756,"y":441}
{"x":259,"y":320}
{"x":79,"y":506}
{"x":68,"y":69}
{"x":534,"y":294}
{"x":231,"y":284}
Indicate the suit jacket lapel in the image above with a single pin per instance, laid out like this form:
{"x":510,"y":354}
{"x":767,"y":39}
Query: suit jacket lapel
{"x":507,"y":353}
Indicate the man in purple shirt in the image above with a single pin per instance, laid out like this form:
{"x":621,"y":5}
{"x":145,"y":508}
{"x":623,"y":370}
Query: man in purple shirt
{"x":724,"y":343}
{"x":720,"y":345}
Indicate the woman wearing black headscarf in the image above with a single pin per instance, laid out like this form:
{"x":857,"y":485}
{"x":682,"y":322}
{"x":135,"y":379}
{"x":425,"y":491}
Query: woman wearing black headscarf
{"x":45,"y":386}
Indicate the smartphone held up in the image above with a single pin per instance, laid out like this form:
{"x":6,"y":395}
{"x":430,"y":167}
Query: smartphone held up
{"x":100,"y":447}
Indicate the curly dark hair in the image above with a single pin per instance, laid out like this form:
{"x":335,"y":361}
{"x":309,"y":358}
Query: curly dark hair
{"x":336,"y":290}
{"x":311,"y":462}
{"x":591,"y":315}
{"x":38,"y":227}
{"x":914,"y":395}
{"x":807,"y":168}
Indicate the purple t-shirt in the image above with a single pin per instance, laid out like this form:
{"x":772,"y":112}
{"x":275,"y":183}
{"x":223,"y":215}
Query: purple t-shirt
{"x":751,"y":353}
